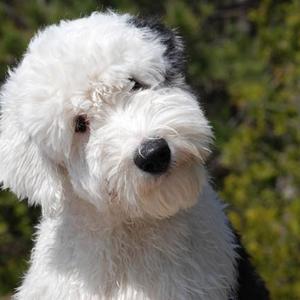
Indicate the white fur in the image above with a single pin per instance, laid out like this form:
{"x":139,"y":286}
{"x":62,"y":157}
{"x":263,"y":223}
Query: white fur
{"x":109,"y":230}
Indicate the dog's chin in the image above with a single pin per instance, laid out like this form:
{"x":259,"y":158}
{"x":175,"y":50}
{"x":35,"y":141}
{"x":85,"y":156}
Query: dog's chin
{"x":159,"y":196}
{"x":176,"y":190}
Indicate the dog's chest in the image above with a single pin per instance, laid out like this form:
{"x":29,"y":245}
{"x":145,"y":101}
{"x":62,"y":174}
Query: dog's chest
{"x":152,"y":263}
{"x":167,"y":260}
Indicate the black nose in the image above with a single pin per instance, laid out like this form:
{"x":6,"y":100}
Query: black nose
{"x":153,"y":156}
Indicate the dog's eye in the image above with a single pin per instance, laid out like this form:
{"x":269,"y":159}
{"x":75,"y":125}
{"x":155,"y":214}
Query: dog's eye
{"x":136,"y":85}
{"x":81,"y":123}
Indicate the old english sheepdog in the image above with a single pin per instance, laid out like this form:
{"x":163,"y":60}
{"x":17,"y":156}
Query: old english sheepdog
{"x":100,"y":128}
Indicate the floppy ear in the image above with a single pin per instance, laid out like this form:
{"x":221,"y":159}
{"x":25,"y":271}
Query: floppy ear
{"x":174,"y":52}
{"x":24,"y":168}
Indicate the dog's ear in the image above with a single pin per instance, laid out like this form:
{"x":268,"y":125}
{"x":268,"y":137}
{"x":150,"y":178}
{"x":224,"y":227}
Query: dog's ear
{"x":24,"y":168}
{"x":174,"y":53}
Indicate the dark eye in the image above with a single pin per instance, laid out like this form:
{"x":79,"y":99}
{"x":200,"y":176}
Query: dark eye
{"x":81,"y":123}
{"x":136,"y":85}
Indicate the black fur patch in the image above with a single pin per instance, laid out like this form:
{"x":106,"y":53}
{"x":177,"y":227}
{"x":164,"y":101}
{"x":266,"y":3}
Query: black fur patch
{"x":249,"y":285}
{"x":174,"y":53}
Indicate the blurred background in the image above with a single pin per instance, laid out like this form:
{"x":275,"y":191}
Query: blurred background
{"x":244,"y":62}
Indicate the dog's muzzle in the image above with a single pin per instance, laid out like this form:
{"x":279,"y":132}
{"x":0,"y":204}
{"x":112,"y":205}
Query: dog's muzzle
{"x":153,"y":156}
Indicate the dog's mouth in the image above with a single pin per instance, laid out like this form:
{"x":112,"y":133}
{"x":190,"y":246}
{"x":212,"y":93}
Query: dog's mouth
{"x":134,"y":192}
{"x":153,"y":182}
{"x":150,"y":169}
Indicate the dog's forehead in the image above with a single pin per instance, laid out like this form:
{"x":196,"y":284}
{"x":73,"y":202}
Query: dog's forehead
{"x":103,"y":47}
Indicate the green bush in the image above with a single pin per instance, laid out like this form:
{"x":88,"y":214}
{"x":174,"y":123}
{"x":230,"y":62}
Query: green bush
{"x":244,"y":61}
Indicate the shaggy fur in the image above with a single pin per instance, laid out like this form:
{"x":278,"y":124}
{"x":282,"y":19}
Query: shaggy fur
{"x":75,"y":111}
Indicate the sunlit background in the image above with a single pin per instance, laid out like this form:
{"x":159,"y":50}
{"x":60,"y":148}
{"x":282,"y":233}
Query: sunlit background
{"x":244,"y":63}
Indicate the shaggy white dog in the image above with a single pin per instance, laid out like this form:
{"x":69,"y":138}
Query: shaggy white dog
{"x":99,"y":128}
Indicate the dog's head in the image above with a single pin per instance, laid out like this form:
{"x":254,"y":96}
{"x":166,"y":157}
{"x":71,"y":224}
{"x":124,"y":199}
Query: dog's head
{"x":98,"y":108}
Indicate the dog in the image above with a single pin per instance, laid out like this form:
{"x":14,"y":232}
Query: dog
{"x":100,"y":128}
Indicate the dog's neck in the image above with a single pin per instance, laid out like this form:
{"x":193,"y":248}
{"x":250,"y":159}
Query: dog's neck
{"x":86,"y":217}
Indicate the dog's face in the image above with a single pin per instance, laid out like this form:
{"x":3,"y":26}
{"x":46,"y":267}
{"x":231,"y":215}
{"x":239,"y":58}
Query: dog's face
{"x":98,"y":108}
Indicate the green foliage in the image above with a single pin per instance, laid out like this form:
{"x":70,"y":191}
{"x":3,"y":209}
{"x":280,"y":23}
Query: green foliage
{"x":244,"y":61}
